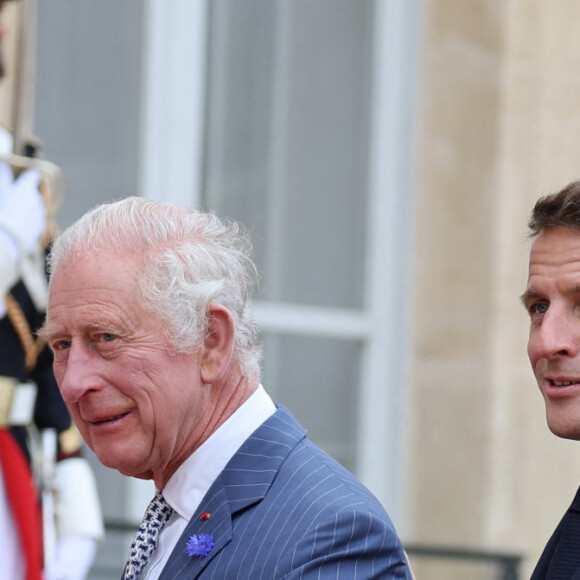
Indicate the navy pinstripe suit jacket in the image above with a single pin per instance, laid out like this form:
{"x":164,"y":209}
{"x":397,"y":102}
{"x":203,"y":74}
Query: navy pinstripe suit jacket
{"x":282,"y":508}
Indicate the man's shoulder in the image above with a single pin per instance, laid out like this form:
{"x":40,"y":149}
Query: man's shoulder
{"x":319,"y":513}
{"x":308,"y":473}
{"x":310,"y":468}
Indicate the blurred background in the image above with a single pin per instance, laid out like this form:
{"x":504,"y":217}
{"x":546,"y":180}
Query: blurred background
{"x":385,"y":155}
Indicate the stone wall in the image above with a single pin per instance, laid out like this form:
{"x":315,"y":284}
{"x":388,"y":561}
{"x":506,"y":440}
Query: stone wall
{"x":498,"y":115}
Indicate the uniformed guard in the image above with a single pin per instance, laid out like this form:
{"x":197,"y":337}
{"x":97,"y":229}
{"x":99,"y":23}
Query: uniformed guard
{"x":50,"y":518}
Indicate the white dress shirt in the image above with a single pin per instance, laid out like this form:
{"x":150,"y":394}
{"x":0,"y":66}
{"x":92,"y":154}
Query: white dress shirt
{"x":189,"y":484}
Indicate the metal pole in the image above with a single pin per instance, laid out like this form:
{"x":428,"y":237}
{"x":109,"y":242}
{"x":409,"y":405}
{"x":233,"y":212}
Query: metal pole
{"x":24,"y":79}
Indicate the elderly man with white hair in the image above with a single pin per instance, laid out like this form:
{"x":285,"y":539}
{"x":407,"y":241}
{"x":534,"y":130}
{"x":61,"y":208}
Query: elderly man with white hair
{"x":157,"y":359}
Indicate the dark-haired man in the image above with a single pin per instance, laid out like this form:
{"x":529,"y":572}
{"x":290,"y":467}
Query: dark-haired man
{"x":552,"y":299}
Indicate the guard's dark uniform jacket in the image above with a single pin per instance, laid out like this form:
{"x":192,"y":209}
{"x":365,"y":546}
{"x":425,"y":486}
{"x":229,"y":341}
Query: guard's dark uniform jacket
{"x":49,"y":409}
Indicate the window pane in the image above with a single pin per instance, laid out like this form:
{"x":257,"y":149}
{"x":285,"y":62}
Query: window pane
{"x":87,"y":97}
{"x":317,"y":380}
{"x":288,"y":137}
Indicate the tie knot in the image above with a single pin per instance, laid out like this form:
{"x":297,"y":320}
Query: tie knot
{"x":158,"y":511}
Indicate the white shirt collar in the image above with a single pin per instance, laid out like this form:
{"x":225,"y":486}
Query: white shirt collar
{"x":192,"y":480}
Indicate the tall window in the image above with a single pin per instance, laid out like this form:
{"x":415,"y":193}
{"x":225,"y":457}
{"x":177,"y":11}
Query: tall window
{"x":287,"y":154}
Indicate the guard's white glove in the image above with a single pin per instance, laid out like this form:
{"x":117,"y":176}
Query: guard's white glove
{"x":22,"y":211}
{"x":22,"y":223}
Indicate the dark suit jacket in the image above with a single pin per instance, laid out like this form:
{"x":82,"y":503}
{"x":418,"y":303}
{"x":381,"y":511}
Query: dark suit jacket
{"x":561,"y":556}
{"x":282,"y":508}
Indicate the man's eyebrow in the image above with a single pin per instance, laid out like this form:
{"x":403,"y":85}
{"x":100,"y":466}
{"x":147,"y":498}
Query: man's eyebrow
{"x":530,"y":295}
{"x":46,"y":331}
{"x":103,"y":326}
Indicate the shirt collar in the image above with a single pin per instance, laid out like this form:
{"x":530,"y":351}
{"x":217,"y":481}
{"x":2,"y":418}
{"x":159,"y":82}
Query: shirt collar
{"x":192,"y":480}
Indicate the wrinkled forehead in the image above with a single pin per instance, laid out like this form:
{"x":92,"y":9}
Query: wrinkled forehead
{"x":556,"y":242}
{"x":555,"y":253}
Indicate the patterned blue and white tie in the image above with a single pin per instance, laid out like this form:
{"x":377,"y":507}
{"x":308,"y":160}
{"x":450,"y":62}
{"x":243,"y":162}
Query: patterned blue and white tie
{"x":145,"y":540}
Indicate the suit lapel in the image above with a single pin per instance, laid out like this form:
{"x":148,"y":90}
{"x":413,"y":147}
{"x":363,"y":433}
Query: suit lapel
{"x":244,"y":482}
{"x":219,"y":526}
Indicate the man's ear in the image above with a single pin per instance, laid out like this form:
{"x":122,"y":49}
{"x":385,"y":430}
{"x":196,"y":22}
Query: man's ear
{"x":218,"y":344}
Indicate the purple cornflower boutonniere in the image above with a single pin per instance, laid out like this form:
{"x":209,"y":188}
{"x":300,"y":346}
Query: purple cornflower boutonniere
{"x":200,"y":546}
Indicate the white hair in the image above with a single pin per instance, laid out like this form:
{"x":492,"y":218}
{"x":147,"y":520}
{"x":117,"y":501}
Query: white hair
{"x":189,"y":259}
